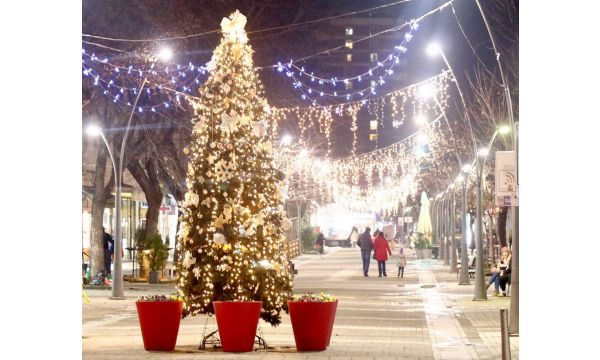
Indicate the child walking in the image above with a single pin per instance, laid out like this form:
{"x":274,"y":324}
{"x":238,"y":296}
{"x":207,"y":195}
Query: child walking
{"x":401,"y":262}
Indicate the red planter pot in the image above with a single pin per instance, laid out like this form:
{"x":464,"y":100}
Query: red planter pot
{"x":159,"y":322}
{"x":312,"y":323}
{"x":237,"y":322}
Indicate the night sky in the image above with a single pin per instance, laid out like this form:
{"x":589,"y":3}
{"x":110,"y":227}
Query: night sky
{"x":156,"y":18}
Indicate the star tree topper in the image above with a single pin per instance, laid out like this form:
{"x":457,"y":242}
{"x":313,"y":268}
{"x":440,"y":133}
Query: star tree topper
{"x":233,"y":27}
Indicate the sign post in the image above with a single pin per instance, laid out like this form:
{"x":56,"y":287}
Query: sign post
{"x":507,"y":188}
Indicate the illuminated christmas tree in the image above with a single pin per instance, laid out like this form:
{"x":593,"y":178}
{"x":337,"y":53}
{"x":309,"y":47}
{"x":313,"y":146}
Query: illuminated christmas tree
{"x":231,"y":236}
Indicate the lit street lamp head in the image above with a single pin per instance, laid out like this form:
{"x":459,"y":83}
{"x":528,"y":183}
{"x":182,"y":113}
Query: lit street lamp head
{"x":504,"y":129}
{"x":433,"y":49}
{"x":93,"y":130}
{"x":165,"y":54}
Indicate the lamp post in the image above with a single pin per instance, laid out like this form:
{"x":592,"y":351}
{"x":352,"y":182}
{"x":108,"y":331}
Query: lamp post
{"x":480,"y":291}
{"x":452,"y":213}
{"x":446,"y":217}
{"x":164,"y":54}
{"x":117,"y":280}
{"x":434,"y":49}
{"x":463,"y":277}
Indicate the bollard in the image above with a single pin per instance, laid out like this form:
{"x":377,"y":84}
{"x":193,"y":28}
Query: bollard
{"x":504,"y":334}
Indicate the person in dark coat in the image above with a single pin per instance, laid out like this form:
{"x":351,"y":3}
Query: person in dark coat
{"x":382,"y":249}
{"x":108,"y":244}
{"x":505,"y":273}
{"x":320,"y":242}
{"x":366,"y":246}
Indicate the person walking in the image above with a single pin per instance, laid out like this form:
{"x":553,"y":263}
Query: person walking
{"x":366,"y":246}
{"x":401,"y":262}
{"x":108,"y":244}
{"x":353,"y":236}
{"x":382,"y":249}
{"x":320,"y":242}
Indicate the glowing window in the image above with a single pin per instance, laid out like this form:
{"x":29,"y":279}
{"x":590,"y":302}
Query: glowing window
{"x":373,"y":57}
{"x":349,"y":44}
{"x":348,"y":57}
{"x":349,"y":31}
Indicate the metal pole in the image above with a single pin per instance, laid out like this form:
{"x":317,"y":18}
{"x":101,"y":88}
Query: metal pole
{"x":441,"y":228}
{"x":117,"y":282}
{"x":480,"y":290}
{"x":440,"y":222}
{"x":514,"y":275}
{"x":446,"y":228}
{"x":464,"y":258}
{"x":504,"y":334}
{"x":452,"y":232}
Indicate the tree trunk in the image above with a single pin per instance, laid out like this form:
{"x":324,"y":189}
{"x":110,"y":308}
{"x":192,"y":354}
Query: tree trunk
{"x":152,"y":218}
{"x":502,"y":226}
{"x":491,"y":245}
{"x":101,"y":194}
{"x":96,"y":248}
{"x":148,"y":180}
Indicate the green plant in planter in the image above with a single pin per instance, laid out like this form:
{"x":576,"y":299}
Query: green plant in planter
{"x":156,"y":251}
{"x":422,"y":242}
{"x":307,"y":237}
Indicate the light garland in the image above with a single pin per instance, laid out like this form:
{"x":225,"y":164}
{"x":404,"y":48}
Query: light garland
{"x":307,"y":91}
{"x":323,"y":116}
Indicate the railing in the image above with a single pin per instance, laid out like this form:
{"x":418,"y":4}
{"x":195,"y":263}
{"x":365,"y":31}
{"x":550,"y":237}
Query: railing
{"x":293,"y":240}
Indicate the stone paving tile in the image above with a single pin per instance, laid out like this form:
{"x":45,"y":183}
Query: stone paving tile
{"x":377,"y":318}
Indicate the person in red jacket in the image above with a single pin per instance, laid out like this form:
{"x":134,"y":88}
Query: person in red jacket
{"x":382,"y":249}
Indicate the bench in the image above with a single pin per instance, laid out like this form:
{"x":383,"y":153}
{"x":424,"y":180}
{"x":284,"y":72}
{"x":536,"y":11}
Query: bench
{"x":471,"y":268}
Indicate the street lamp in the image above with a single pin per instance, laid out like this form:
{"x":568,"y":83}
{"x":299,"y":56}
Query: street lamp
{"x":514,"y":301}
{"x":480,"y":291}
{"x":164,"y":54}
{"x":433,"y":50}
{"x":464,"y":257}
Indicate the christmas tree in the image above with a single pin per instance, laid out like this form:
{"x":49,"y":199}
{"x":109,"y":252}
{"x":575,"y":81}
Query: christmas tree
{"x":231,"y":236}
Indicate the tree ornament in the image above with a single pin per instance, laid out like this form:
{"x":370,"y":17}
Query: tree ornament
{"x":286,"y":224}
{"x":219,"y":238}
{"x":259,"y":128}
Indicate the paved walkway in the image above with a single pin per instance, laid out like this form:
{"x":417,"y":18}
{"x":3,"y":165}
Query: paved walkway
{"x":424,"y":315}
